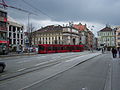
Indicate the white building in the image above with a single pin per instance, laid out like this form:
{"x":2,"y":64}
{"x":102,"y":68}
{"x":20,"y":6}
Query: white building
{"x":15,"y":35}
{"x":56,"y":35}
{"x":106,"y":37}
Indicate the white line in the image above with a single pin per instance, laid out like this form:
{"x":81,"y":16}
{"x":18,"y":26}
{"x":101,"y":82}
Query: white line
{"x":22,"y":61}
{"x":3,"y":75}
{"x":21,"y":69}
{"x":40,"y":63}
{"x":69,"y":60}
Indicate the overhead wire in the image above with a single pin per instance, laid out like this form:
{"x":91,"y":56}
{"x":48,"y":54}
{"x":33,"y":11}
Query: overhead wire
{"x":5,"y":5}
{"x":36,"y":9}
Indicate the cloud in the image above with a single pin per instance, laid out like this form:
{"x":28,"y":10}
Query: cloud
{"x":91,"y":12}
{"x":101,"y":11}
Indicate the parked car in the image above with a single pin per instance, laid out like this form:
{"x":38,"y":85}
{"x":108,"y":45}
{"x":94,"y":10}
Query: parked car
{"x":2,"y":66}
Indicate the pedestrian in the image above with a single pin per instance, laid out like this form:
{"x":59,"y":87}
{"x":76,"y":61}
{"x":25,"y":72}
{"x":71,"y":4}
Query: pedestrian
{"x":102,"y":50}
{"x":119,"y":52}
{"x":114,"y":52}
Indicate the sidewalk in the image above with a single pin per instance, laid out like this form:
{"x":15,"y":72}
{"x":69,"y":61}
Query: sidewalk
{"x":115,"y":74}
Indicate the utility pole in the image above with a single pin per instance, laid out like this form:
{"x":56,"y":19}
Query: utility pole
{"x":70,"y":25}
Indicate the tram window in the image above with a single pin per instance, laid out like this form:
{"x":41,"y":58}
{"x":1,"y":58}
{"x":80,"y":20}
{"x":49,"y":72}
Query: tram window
{"x":68,"y":48}
{"x":62,"y":48}
{"x":59,"y":48}
{"x":49,"y":48}
{"x":54,"y":48}
{"x":41,"y":47}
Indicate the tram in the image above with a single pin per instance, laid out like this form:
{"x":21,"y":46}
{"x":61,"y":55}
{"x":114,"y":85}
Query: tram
{"x":54,"y":48}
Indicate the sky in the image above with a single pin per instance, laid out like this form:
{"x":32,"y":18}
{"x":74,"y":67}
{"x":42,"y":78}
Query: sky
{"x":95,"y":13}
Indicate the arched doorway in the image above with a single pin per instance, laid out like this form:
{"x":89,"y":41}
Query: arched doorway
{"x":74,"y":41}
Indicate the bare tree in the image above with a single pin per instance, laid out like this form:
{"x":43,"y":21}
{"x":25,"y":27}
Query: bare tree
{"x":30,"y":33}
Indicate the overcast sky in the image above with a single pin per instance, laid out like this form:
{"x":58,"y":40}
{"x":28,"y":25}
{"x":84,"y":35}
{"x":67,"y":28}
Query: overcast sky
{"x":93,"y":12}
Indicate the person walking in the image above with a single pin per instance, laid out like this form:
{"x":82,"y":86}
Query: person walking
{"x":119,"y":52}
{"x":114,"y":52}
{"x":102,"y":50}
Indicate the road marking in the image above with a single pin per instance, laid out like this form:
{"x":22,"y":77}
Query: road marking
{"x":22,"y":61}
{"x":40,"y":63}
{"x":21,"y":69}
{"x":69,"y":60}
{"x":84,"y":88}
{"x":3,"y":75}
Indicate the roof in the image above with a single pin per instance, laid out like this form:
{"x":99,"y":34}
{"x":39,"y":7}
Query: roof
{"x":106,"y":29}
{"x":80,"y":27}
{"x":10,"y":19}
{"x":50,"y":28}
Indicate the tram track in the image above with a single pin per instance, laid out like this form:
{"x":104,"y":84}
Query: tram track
{"x":36,"y":67}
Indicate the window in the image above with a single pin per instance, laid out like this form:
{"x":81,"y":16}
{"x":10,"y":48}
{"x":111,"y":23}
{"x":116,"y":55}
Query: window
{"x":14,"y":41}
{"x":41,"y":48}
{"x":14,"y":29}
{"x":21,"y":41}
{"x":10,"y":27}
{"x":3,"y":36}
{"x":17,"y":35}
{"x":118,"y":38}
{"x":9,"y":34}
{"x":10,"y":41}
{"x":14,"y":35}
{"x":21,"y":36}
{"x":119,"y":33}
{"x":3,"y":24}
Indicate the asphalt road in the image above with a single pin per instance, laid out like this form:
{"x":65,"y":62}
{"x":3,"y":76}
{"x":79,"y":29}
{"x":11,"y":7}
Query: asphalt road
{"x":32,"y":78}
{"x":98,"y":73}
{"x":90,"y":75}
{"x":23,"y":63}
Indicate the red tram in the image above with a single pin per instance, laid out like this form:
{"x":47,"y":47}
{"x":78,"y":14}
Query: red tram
{"x":52,"y":48}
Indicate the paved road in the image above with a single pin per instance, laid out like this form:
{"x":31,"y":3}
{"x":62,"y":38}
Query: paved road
{"x":90,"y":75}
{"x":98,"y":73}
{"x":18,"y":65}
{"x":32,"y":78}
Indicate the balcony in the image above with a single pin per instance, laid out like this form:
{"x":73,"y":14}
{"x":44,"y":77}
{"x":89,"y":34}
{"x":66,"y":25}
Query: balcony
{"x":3,"y":28}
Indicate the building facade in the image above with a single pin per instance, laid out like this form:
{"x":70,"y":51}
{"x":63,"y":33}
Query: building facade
{"x":3,"y":32}
{"x":118,"y":37}
{"x":90,"y":39}
{"x":16,"y":35}
{"x":86,"y":36}
{"x":56,"y":35}
{"x":106,"y":37}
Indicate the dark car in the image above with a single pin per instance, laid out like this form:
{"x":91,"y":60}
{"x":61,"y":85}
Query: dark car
{"x":2,"y":66}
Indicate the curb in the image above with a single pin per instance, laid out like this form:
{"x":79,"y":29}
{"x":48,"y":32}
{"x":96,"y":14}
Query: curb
{"x":16,"y":55}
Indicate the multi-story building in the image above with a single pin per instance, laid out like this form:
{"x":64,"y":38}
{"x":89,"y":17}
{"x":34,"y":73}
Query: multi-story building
{"x":118,"y":37}
{"x":3,"y":32}
{"x":56,"y":35}
{"x":90,"y":39}
{"x":86,"y":36}
{"x":15,"y":34}
{"x":95,"y":46}
{"x":106,"y":37}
